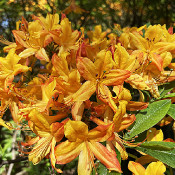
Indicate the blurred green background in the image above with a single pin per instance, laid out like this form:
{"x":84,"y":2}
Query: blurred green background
{"x":88,"y":13}
{"x":82,"y":13}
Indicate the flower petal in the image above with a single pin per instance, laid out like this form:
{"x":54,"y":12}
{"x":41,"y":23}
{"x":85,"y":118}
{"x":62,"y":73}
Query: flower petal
{"x":136,"y":168}
{"x":106,"y":157}
{"x":67,"y":151}
{"x":85,"y":161}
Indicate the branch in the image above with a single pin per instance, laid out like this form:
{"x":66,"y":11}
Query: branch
{"x":13,"y":152}
{"x":5,"y":162}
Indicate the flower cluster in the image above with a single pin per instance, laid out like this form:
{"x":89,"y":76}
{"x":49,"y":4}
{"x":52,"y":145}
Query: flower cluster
{"x":78,"y":91}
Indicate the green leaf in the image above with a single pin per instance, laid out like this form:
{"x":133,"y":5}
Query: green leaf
{"x":158,"y":145}
{"x":147,"y":118}
{"x":148,"y":24}
{"x":164,"y":89}
{"x":169,"y":95}
{"x":171,"y":111}
{"x":102,"y":170}
{"x":165,"y":156}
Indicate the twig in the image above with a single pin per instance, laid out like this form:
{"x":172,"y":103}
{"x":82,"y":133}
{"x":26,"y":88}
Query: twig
{"x":5,"y":162}
{"x":13,"y":152}
{"x":21,"y":172}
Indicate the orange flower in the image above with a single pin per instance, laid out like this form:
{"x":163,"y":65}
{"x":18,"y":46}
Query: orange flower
{"x":99,"y":75}
{"x":86,"y":145}
{"x":48,"y":133}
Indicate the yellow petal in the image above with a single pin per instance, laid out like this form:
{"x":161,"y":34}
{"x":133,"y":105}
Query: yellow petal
{"x":41,"y":149}
{"x":40,"y":123}
{"x":77,"y":110}
{"x":136,"y":168}
{"x":74,"y":130}
{"x":86,"y":68}
{"x":6,"y":124}
{"x":60,"y":64}
{"x":121,"y":57}
{"x":154,"y":135}
{"x":154,"y":33}
{"x":105,"y":95}
{"x":42,"y":55}
{"x":27,"y":52}
{"x":155,"y":168}
{"x":105,"y":156}
{"x":85,"y":160}
{"x":48,"y":90}
{"x":137,"y":82}
{"x":67,"y":151}
{"x":85,"y":91}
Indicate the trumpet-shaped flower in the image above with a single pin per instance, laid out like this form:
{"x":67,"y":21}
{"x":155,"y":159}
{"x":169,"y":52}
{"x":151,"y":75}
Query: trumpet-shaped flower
{"x":48,"y":132}
{"x":86,"y":144}
{"x":9,"y":67}
{"x":99,"y":75}
{"x":31,"y":40}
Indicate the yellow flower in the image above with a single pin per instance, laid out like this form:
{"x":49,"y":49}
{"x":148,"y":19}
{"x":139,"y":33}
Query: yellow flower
{"x":99,"y":75}
{"x":48,"y":132}
{"x":9,"y":67}
{"x":86,"y":144}
{"x":154,"y":168}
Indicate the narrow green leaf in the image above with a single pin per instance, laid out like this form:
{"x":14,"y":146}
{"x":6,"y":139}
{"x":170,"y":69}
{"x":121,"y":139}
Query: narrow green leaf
{"x":166,"y":96}
{"x":171,"y":111}
{"x":169,"y":95}
{"x":158,"y":145}
{"x":167,"y":157}
{"x":164,"y":89}
{"x":147,"y":118}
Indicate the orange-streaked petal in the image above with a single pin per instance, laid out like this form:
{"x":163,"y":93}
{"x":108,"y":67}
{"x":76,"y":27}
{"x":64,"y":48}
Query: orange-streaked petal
{"x":136,"y":168}
{"x":52,"y":156}
{"x":41,"y":149}
{"x":57,"y":130}
{"x":134,"y":106}
{"x":27,"y":52}
{"x":157,"y":60}
{"x":137,"y":82}
{"x":126,"y":121}
{"x":60,"y":64}
{"x":105,"y":156}
{"x":101,"y":133}
{"x":77,"y":110}
{"x":105,"y":95}
{"x":39,"y":121}
{"x":85,"y":91}
{"x":67,"y":151}
{"x":115,"y":77}
{"x":86,"y":68}
{"x":85,"y":160}
{"x":120,"y":147}
{"x":42,"y":55}
{"x":31,"y":141}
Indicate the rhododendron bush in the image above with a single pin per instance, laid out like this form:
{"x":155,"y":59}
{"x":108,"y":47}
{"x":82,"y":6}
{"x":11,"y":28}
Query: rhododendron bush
{"x":101,"y":96}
